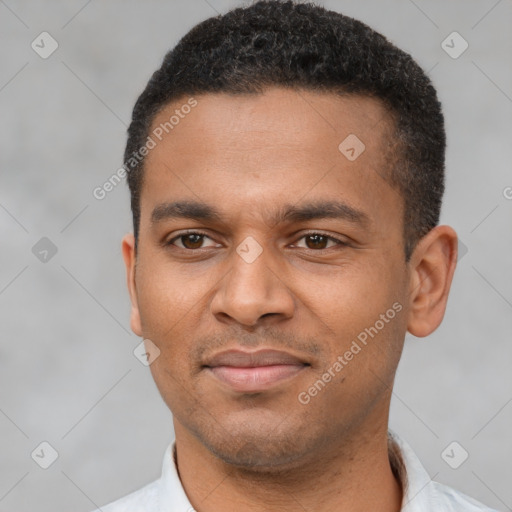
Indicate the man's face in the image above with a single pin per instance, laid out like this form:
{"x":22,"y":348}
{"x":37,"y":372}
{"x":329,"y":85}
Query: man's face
{"x":268,"y":272}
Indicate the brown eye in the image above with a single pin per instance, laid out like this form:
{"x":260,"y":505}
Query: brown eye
{"x":316,"y":241}
{"x":319,"y":241}
{"x":192,"y":241}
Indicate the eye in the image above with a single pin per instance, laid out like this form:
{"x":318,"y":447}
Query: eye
{"x":319,"y":241}
{"x":191,"y":240}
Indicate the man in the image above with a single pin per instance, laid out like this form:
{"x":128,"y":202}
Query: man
{"x":286,"y":169}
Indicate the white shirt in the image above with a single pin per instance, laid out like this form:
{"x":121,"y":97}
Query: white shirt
{"x":421,"y":493}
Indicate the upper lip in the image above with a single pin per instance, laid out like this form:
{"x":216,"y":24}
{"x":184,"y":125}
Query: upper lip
{"x":244,"y":359}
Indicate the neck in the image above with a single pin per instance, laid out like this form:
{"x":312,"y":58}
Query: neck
{"x":353,"y":475}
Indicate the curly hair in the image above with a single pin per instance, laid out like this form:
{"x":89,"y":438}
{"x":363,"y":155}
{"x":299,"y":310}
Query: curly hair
{"x":305,"y":46}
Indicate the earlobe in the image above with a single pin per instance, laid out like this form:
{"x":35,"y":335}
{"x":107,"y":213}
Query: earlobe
{"x":129,"y":256}
{"x":432,"y":267}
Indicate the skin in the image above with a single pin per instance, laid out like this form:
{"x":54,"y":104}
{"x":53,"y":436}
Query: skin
{"x":249,"y":156}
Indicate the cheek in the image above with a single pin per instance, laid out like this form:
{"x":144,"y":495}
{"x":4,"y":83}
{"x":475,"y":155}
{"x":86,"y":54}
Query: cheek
{"x":347,"y":297}
{"x":169,"y":311}
{"x":360,"y":312}
{"x":168,"y":298}
{"x":172,"y":302}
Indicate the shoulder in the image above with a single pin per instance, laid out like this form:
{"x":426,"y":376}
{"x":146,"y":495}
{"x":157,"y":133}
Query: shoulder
{"x":143,"y":500}
{"x":455,"y":501}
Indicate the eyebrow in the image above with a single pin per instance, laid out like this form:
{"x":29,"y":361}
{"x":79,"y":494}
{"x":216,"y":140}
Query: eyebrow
{"x":288,"y":213}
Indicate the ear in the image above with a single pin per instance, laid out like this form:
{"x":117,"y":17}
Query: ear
{"x":130,"y":256}
{"x":432,"y":266}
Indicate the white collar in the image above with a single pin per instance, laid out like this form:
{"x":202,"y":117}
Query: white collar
{"x":421,"y":494}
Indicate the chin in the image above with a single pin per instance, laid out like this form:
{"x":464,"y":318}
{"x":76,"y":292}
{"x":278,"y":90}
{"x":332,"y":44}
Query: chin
{"x":259,"y":456}
{"x":262,"y":447}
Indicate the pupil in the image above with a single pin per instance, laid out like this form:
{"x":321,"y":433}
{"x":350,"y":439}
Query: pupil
{"x":194,"y":240}
{"x":317,"y":243}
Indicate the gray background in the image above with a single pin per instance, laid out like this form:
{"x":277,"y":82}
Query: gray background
{"x":67,"y":369}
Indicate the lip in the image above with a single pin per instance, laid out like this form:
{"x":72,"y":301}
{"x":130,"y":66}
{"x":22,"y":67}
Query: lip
{"x":246,"y":372}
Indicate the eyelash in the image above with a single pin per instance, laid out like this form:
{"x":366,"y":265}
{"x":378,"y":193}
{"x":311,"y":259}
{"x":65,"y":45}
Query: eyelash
{"x":311,"y":233}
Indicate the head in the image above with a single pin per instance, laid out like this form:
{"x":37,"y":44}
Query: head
{"x":286,"y":170}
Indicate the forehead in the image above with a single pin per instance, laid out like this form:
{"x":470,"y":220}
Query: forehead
{"x":280,"y":145}
{"x":280,"y":115}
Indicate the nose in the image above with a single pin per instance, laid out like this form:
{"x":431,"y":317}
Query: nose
{"x":253,"y":289}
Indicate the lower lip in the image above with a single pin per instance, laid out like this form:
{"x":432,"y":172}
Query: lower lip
{"x":255,"y":379}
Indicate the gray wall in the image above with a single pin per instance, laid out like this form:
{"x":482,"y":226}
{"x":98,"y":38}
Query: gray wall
{"x":67,"y":372}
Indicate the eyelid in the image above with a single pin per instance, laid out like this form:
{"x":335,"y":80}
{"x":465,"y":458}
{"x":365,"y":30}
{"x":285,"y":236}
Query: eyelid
{"x":338,"y":241}
{"x":184,"y":233}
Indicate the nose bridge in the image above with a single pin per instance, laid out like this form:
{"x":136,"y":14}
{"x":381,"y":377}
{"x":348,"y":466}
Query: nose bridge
{"x":252,"y":288}
{"x":252,"y":268}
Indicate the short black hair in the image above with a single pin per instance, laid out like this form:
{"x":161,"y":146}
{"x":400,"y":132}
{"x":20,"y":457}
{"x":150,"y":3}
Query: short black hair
{"x":305,"y":46}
